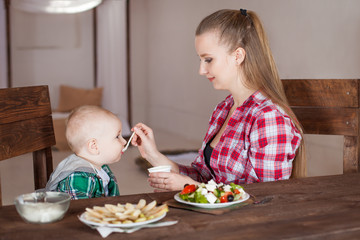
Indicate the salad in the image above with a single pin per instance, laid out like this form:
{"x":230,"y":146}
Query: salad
{"x":212,"y":192}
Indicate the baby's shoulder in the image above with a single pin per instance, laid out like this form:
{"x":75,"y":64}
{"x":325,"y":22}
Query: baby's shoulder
{"x":80,"y":176}
{"x":79,"y":180}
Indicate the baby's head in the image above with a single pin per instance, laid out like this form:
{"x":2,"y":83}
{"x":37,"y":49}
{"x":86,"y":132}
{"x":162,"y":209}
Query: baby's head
{"x":94,"y":133}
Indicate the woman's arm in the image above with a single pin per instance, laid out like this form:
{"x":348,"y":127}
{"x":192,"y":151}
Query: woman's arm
{"x":273,"y":144}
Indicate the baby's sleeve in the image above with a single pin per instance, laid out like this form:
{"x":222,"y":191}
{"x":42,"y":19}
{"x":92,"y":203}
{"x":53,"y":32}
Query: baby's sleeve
{"x":79,"y":185}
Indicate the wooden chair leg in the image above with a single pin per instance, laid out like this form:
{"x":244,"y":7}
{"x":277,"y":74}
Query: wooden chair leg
{"x":42,"y":167}
{"x":49,"y":163}
{"x":351,"y":154}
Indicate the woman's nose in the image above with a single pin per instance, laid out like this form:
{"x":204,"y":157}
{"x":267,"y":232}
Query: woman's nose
{"x":202,"y":69}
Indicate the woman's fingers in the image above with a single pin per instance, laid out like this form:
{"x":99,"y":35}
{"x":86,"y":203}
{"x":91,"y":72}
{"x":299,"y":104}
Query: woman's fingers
{"x":160,"y":181}
{"x":144,"y":128}
{"x":144,"y":140}
{"x":142,"y":132}
{"x":136,"y":141}
{"x":168,"y":181}
{"x":159,"y":178}
{"x":157,"y":175}
{"x":139,"y":135}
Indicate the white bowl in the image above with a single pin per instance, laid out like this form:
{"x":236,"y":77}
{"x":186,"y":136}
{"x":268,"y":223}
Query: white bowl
{"x":42,"y":207}
{"x":164,"y":168}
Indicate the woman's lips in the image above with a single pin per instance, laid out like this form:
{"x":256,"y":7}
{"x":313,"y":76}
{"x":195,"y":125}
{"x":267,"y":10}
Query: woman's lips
{"x":211,"y":79}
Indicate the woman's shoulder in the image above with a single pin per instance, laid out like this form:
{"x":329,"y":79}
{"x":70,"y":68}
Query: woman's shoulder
{"x":264,"y":105}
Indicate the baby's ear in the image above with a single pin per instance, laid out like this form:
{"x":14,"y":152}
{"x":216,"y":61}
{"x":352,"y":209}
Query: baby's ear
{"x":92,"y":146}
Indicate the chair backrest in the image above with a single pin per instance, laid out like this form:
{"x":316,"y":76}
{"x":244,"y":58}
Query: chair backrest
{"x":328,"y":106}
{"x":26,"y":126}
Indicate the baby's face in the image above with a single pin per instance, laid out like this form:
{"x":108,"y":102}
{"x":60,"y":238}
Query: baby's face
{"x":111,"y":143}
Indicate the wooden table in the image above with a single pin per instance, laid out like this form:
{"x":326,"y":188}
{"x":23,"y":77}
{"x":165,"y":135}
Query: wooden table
{"x":310,"y":208}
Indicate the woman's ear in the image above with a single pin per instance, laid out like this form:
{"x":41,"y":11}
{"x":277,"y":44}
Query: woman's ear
{"x":239,"y":55}
{"x":93,"y":147}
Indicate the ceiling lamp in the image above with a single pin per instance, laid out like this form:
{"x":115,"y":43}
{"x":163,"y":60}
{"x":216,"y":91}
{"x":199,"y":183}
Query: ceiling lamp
{"x":54,"y":6}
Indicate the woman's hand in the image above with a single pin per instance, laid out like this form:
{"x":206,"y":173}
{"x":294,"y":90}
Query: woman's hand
{"x":145,"y":141}
{"x":169,"y":181}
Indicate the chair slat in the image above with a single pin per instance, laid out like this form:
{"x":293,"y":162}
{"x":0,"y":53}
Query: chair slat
{"x":322,"y":92}
{"x":332,"y":121}
{"x":26,"y":136}
{"x":329,"y":106}
{"x":23,"y":103}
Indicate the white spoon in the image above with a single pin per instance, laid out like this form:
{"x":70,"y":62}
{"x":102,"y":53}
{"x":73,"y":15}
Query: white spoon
{"x":128,"y":143}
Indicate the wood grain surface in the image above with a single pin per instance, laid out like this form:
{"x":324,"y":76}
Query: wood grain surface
{"x":309,"y":208}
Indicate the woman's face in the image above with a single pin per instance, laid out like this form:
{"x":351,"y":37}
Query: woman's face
{"x":216,"y":63}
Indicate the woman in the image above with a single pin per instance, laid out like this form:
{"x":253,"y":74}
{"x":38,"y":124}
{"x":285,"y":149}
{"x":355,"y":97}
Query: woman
{"x":253,"y":135}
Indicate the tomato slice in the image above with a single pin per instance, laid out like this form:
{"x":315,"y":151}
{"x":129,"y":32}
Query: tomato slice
{"x":237,"y":191}
{"x":224,"y":198}
{"x":189,"y":189}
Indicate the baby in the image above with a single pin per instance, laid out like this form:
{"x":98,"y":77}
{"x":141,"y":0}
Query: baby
{"x":94,"y":135}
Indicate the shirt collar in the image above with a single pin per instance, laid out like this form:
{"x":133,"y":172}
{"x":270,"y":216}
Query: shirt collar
{"x":254,"y":98}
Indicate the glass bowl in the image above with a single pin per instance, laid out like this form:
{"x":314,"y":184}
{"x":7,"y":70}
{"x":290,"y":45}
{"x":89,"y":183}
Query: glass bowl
{"x":42,"y":207}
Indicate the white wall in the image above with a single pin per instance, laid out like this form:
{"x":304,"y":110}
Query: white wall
{"x":139,"y":66}
{"x":309,"y":39}
{"x":52,"y":49}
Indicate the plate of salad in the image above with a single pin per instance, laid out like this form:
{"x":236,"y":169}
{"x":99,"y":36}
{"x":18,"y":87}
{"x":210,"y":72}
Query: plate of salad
{"x":212,"y":195}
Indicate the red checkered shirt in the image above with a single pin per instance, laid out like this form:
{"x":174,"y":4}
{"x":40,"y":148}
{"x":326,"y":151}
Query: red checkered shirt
{"x":258,"y":144}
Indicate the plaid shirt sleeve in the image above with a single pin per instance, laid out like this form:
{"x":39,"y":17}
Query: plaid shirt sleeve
{"x":80,"y":185}
{"x":273,"y":144}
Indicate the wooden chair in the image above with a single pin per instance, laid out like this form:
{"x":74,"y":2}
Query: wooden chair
{"x":26,"y":126}
{"x":329,"y":106}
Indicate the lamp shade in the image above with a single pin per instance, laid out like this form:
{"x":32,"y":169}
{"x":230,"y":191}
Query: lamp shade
{"x":54,"y":6}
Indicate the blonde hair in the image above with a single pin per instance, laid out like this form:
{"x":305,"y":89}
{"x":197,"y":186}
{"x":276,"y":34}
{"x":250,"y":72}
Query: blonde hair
{"x":84,"y":123}
{"x":244,"y":29}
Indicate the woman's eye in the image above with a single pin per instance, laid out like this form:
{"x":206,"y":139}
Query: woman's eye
{"x":208,"y":60}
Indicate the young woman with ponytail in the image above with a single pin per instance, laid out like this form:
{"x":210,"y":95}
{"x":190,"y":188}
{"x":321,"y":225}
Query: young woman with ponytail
{"x":253,"y":135}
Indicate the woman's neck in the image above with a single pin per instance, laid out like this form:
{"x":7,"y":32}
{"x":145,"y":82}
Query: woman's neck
{"x":241,"y":95}
{"x":239,"y":90}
